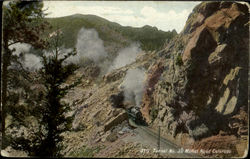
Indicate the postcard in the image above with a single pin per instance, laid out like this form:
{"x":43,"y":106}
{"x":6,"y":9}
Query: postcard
{"x":125,"y":79}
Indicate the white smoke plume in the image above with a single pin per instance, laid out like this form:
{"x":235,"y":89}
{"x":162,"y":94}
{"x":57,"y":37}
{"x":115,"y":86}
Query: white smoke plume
{"x":126,"y":56}
{"x":134,"y":84}
{"x":29,"y":61}
{"x":32,"y":62}
{"x":89,"y":45}
{"x":20,"y":48}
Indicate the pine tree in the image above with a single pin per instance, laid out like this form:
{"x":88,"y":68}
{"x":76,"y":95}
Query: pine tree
{"x":55,"y":72}
{"x":23,"y":22}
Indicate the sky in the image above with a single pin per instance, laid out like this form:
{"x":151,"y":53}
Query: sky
{"x":165,"y":15}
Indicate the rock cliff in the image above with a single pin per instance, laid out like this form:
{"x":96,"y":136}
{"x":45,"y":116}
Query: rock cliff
{"x":202,"y":83}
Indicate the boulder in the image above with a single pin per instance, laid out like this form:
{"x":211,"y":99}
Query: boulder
{"x":112,"y":137}
{"x":116,"y":120}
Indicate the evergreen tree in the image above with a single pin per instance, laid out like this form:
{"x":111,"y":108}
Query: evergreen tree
{"x":23,"y":22}
{"x":55,"y":72}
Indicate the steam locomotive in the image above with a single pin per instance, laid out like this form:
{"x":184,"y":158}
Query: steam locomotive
{"x":135,"y":115}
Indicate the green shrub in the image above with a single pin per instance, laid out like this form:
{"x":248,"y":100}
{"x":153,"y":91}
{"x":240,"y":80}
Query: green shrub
{"x":179,"y":61}
{"x":154,"y":113}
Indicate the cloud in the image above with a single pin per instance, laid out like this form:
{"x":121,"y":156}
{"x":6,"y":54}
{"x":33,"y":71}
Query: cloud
{"x":149,"y":16}
{"x":148,"y":11}
{"x":170,"y":19}
{"x":68,"y":8}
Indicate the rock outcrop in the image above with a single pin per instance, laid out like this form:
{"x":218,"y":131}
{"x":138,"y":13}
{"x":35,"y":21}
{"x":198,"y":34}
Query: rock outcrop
{"x":203,"y":83}
{"x":118,"y":119}
{"x":153,"y":76}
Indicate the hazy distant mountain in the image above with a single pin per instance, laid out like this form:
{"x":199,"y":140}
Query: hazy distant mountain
{"x":110,"y":32}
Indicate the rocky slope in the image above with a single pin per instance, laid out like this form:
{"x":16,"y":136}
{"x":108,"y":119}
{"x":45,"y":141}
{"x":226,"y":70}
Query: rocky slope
{"x":99,"y":117}
{"x":202,"y":88}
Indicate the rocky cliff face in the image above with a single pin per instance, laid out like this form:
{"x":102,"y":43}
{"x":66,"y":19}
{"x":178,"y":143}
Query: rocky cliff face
{"x":203,"y":84}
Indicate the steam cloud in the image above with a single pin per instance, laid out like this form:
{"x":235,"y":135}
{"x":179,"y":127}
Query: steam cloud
{"x":126,"y":56}
{"x":89,"y":45}
{"x":20,"y":48}
{"x":134,"y":85}
{"x":30,"y":61}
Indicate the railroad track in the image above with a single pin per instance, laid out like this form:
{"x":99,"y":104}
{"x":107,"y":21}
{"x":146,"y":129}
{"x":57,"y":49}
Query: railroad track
{"x":164,"y":143}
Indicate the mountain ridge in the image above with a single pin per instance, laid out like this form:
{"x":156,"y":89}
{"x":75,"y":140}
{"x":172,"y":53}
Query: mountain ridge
{"x":149,"y":37}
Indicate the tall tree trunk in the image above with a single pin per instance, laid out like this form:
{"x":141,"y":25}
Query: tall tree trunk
{"x":6,"y":63}
{"x":1,"y":76}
